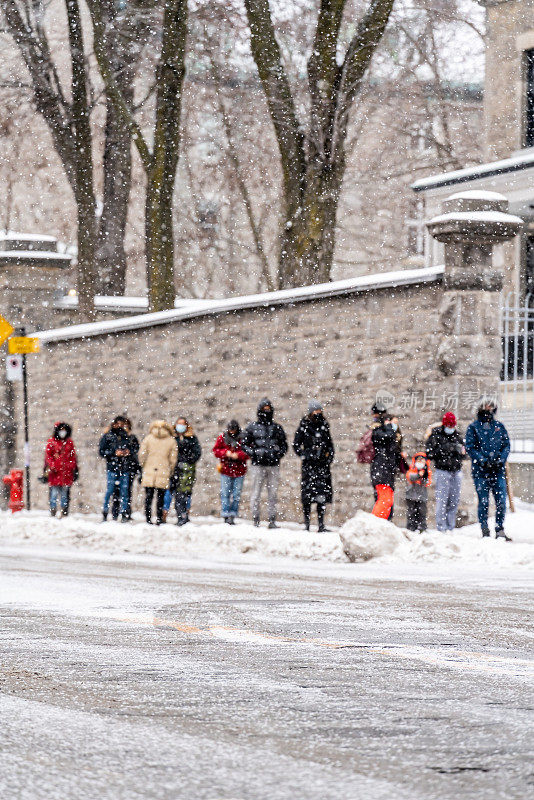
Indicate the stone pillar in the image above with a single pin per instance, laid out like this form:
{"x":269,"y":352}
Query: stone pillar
{"x":469,"y":349}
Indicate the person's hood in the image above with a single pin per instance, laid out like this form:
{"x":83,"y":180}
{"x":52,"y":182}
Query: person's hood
{"x":421,"y":454}
{"x":60,"y":425}
{"x":264,"y":402}
{"x":161,"y":429}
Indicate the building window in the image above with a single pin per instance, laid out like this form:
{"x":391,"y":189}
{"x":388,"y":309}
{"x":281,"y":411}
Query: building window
{"x":415,"y":229}
{"x":529,"y":99}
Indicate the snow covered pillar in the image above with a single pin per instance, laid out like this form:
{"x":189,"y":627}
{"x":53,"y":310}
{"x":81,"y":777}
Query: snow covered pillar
{"x":469,"y":346}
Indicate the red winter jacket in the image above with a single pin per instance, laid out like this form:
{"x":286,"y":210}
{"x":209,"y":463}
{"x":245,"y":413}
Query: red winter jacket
{"x":234,"y":468}
{"x":60,"y":458}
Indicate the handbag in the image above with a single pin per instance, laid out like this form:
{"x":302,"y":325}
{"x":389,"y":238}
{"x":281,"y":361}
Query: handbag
{"x":43,"y":478}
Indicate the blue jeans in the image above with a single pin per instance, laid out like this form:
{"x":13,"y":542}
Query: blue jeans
{"x":447,"y":489}
{"x":122,"y":480}
{"x":60,"y":493}
{"x":230,"y":495}
{"x":496,"y":484}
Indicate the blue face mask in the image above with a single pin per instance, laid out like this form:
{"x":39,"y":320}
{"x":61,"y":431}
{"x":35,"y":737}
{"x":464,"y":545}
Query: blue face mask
{"x":181,"y":428}
{"x":394,"y":426}
{"x":449,"y":430}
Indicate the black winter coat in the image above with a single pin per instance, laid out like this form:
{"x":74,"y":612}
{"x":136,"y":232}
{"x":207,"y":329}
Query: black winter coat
{"x":387,"y":460}
{"x":313,"y":444}
{"x":445,"y":449}
{"x":119,"y":440}
{"x":265,"y":443}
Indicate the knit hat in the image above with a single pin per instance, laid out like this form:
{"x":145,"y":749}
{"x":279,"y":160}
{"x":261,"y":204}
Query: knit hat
{"x":314,"y":405}
{"x":449,"y":420}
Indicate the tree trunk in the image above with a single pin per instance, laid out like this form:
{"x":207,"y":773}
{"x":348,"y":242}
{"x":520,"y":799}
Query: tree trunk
{"x":84,"y":192}
{"x":159,"y":244}
{"x":308,"y":235}
{"x":111,"y":255}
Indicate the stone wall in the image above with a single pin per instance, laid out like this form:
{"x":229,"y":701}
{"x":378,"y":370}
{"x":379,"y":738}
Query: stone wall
{"x":341,"y":350}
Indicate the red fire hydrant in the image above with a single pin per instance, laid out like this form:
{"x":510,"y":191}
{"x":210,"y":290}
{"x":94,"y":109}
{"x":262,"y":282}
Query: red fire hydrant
{"x":16,"y":494}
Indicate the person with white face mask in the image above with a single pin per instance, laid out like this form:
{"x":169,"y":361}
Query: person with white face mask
{"x":61,"y":468}
{"x":184,"y":476}
{"x":445,"y":447}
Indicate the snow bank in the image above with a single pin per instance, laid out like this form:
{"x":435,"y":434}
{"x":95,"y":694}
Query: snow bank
{"x":205,"y":536}
{"x":361,"y":539}
{"x":364,"y":537}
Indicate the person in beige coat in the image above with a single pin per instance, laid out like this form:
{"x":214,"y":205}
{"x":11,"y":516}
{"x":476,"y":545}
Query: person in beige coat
{"x":157,"y":456}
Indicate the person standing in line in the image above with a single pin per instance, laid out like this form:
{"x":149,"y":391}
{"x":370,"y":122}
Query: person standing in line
{"x":133,"y":469}
{"x":387,"y":461}
{"x":445,"y":447}
{"x":266,"y":444}
{"x":115,"y":448}
{"x":488,"y":445}
{"x":157,"y":457}
{"x":233,"y":467}
{"x":418,"y":478}
{"x":61,"y":466}
{"x":314,"y":446}
{"x":184,"y":475}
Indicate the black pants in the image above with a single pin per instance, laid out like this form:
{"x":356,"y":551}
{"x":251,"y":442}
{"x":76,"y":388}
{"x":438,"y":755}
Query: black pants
{"x":321,"y":508}
{"x":416,"y":515}
{"x":149,"y":496}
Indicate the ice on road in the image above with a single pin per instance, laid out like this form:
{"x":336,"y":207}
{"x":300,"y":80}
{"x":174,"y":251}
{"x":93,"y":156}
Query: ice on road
{"x":144,"y":677}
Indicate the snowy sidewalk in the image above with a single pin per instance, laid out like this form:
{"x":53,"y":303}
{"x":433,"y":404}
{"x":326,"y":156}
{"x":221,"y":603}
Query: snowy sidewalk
{"x":363,"y":536}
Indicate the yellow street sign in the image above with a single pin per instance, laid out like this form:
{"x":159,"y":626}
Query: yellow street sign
{"x":5,"y":330}
{"x":23,"y":344}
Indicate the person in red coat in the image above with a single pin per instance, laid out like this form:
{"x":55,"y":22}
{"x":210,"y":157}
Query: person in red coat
{"x":61,"y":467}
{"x":232,"y":466}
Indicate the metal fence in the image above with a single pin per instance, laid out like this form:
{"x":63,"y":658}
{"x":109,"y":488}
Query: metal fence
{"x":517,"y":371}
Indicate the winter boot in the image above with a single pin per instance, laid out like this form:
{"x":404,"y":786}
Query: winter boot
{"x":125,"y":518}
{"x":500,"y":534}
{"x":182,"y":521}
{"x":104,"y":517}
{"x":485,"y":532}
{"x":256,"y":522}
{"x":272,"y":523}
{"x":53,"y":512}
{"x":227,"y":520}
{"x":164,"y":515}
{"x":231,"y":521}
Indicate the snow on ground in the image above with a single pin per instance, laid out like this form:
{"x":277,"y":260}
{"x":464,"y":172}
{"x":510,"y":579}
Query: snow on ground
{"x":363,"y":538}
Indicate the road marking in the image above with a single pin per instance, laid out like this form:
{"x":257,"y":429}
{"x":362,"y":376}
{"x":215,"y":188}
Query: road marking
{"x":440,"y":657}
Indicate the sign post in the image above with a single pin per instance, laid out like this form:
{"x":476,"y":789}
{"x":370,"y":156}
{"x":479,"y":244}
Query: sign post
{"x":26,"y":430}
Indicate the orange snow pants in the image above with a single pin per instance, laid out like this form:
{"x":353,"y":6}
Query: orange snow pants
{"x":382,"y":507}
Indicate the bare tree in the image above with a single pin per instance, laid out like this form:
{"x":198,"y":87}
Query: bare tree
{"x":159,"y":161}
{"x":313,"y":152}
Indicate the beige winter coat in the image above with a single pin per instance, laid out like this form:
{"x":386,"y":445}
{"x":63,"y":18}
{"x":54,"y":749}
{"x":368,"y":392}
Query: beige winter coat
{"x":158,"y":455}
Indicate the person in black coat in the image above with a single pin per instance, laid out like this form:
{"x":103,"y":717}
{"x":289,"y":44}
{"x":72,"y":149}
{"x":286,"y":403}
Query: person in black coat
{"x":266,"y":444}
{"x":184,"y":476}
{"x":314,"y":446}
{"x":133,"y":468}
{"x":115,"y":447}
{"x":445,"y":447}
{"x":387,"y":461}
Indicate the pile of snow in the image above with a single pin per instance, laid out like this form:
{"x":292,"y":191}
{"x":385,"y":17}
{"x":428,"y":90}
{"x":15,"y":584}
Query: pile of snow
{"x":360,"y":539}
{"x":365,"y":537}
{"x":203,"y":537}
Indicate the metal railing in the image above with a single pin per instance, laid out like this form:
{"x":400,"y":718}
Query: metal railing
{"x":517,"y":371}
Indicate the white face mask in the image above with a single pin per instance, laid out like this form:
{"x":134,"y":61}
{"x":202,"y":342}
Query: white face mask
{"x":62,"y":434}
{"x":181,"y":428}
{"x":420,"y":465}
{"x":449,"y":430}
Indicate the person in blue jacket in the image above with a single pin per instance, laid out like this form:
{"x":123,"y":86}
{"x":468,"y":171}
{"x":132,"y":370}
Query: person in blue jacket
{"x":488,"y":445}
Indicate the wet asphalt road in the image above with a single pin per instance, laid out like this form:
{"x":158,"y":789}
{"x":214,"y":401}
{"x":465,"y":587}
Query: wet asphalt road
{"x":231,"y":682}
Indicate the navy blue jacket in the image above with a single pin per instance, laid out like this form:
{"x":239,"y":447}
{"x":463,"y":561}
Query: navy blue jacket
{"x":488,"y":446}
